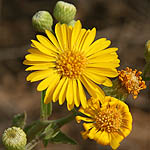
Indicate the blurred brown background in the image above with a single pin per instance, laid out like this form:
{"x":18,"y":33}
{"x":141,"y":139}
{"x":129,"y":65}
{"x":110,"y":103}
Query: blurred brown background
{"x":125,"y":22}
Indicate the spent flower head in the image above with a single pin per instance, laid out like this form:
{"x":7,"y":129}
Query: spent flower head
{"x":69,"y":62}
{"x":108,"y":121}
{"x":132,"y":81}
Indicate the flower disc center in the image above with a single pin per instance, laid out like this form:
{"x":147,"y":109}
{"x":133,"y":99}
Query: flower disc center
{"x":71,"y":64}
{"x":109,"y":120}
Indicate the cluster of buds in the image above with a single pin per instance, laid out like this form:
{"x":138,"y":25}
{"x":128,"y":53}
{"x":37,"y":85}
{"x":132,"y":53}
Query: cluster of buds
{"x":63,"y":12}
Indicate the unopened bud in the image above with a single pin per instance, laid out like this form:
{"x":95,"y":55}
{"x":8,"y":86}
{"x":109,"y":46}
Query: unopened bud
{"x":42,"y":20}
{"x":147,"y":51}
{"x":64,"y":12}
{"x":14,"y":139}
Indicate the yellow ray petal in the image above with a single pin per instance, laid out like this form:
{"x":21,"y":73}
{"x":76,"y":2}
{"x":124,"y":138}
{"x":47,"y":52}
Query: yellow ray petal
{"x":41,"y":67}
{"x":45,"y":83}
{"x":44,"y":41}
{"x":58,"y":88}
{"x":79,"y":40}
{"x":98,"y":79}
{"x":88,"y":126}
{"x":93,"y":89}
{"x":53,"y":39}
{"x":62,"y":94}
{"x":115,"y":140}
{"x":65,"y":35}
{"x":82,"y":95}
{"x":59,"y":35}
{"x":26,"y":62}
{"x":39,"y":75}
{"x":37,"y":57}
{"x":97,"y":46}
{"x":35,"y":51}
{"x":80,"y":118}
{"x":104,"y":52}
{"x":70,"y":94}
{"x":69,"y":33}
{"x":83,"y":40}
{"x":104,"y":71}
{"x":75,"y":33}
{"x":70,"y":107}
{"x":84,"y":134}
{"x":51,"y":88}
{"x":104,"y":57}
{"x":104,"y":65}
{"x":102,"y":138}
{"x":86,"y":112}
{"x":89,"y":39}
{"x":92,"y":133}
{"x":76,"y":94}
{"x":43,"y":49}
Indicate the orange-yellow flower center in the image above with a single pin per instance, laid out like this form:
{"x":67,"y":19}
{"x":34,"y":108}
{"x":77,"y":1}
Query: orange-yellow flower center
{"x":132,"y":81}
{"x":108,"y":120}
{"x":71,"y":64}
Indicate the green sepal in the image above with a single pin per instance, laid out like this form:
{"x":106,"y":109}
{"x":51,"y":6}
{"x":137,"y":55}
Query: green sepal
{"x":46,"y":109}
{"x":117,"y":90}
{"x":19,"y":120}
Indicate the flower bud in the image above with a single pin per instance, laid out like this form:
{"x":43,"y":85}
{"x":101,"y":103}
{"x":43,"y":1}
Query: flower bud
{"x":147,"y":51}
{"x":41,"y":21}
{"x":14,"y":138}
{"x":64,"y":12}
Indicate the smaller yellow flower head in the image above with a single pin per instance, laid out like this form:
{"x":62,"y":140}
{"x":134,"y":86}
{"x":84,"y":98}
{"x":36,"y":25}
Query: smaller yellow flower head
{"x":108,"y":121}
{"x":132,"y":81}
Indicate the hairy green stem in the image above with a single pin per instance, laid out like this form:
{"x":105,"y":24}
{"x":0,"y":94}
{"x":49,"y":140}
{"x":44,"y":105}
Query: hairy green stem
{"x":46,"y":109}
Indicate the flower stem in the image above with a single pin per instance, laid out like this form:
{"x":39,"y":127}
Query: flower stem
{"x":46,"y":109}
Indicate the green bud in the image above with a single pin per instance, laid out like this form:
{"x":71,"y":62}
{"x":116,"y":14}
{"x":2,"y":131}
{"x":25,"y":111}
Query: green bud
{"x":42,"y":20}
{"x":147,"y":52}
{"x":14,"y":138}
{"x":146,"y":72}
{"x":64,"y":12}
{"x":72,"y":23}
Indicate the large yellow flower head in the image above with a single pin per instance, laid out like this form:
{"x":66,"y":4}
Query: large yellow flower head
{"x":70,"y":61}
{"x":108,"y":121}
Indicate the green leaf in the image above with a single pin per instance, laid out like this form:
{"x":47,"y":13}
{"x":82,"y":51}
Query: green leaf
{"x":50,"y":131}
{"x":19,"y":120}
{"x":62,"y":138}
{"x":46,"y":109}
{"x":35,"y":129}
{"x":59,"y":137}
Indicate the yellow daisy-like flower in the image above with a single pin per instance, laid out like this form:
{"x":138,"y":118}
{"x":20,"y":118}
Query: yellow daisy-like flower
{"x":69,"y":62}
{"x":108,"y":121}
{"x":132,"y":81}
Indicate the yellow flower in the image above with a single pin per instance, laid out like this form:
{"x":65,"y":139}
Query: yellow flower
{"x":108,"y":121}
{"x":132,"y":81}
{"x":69,"y":62}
